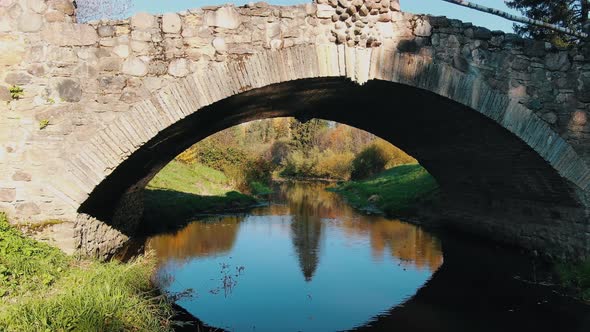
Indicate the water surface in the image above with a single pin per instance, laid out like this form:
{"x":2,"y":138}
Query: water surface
{"x":306,"y":262}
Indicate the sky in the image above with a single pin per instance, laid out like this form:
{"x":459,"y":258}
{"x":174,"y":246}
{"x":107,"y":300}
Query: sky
{"x":432,"y":7}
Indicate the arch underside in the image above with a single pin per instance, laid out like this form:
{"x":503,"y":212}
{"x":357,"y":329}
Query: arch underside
{"x":493,"y":182}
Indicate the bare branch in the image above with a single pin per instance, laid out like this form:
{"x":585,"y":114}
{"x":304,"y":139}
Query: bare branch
{"x":518,"y":18}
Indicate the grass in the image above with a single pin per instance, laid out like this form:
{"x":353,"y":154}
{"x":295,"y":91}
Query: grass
{"x":396,"y":191}
{"x":181,"y":191}
{"x":42,"y":289}
{"x":576,"y":277}
{"x":34,"y":227}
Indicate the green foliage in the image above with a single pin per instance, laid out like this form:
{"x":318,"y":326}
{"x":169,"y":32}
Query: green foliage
{"x":192,"y":179}
{"x":259,"y":188}
{"x":43,"y":124}
{"x":576,"y":276}
{"x":377,"y":157}
{"x":240,"y":167}
{"x":304,"y":135}
{"x":315,"y":164}
{"x":369,"y":162}
{"x":572,"y":14}
{"x":42,"y":289}
{"x":16,"y":92}
{"x":393,"y":192}
{"x":252,"y":152}
{"x":96,"y":297}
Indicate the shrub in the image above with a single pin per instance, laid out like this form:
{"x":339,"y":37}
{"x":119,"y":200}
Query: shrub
{"x":336,"y":166}
{"x":16,"y":92}
{"x":369,"y":162}
{"x":576,"y":276}
{"x":377,"y":157}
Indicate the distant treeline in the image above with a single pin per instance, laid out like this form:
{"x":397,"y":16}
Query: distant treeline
{"x":256,"y":151}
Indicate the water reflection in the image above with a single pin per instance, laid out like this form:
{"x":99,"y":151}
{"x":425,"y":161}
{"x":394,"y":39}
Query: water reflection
{"x":310,"y":263}
{"x":198,"y":239}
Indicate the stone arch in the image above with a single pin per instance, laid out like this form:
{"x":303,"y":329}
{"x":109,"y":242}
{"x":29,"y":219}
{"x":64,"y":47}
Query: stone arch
{"x":145,"y":122}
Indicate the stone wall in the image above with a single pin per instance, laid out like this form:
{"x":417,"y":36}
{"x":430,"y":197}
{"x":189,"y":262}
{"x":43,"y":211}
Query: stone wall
{"x":80,"y":78}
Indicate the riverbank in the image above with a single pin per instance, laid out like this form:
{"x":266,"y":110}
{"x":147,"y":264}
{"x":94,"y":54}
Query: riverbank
{"x":576,"y":277}
{"x":182,"y":191}
{"x":399,"y":191}
{"x":395,"y":192}
{"x":43,"y":289}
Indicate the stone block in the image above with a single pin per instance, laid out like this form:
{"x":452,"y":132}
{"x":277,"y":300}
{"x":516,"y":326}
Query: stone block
{"x":64,"y":6}
{"x":67,"y":89}
{"x":171,"y":23}
{"x":17,"y":78}
{"x":7,"y":195}
{"x":38,"y":6}
{"x":178,"y":67}
{"x":141,"y":35}
{"x":54,"y":16}
{"x":28,"y":209}
{"x":5,"y":21}
{"x":134,"y":67}
{"x":122,"y":51}
{"x":558,"y":61}
{"x":12,"y":50}
{"x":422,"y":28}
{"x":36,"y":70}
{"x":143,"y":21}
{"x":224,"y":17}
{"x":106,"y":31}
{"x":30,"y":22}
{"x":325,"y":11}
{"x":69,"y":34}
{"x":21,"y":176}
{"x":110,"y":64}
{"x":219,"y":45}
{"x":5,"y":94}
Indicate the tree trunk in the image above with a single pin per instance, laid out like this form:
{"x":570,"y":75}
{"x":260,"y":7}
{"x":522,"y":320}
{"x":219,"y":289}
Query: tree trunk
{"x":523,"y":19}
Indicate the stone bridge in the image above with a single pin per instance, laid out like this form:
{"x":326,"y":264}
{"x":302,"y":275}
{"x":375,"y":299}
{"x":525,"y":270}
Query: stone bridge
{"x":499,"y":121}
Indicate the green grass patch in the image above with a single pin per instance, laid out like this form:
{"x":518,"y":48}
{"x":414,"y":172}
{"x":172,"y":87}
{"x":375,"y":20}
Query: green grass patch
{"x":181,"y":191}
{"x":576,"y":277}
{"x":191,"y":179}
{"x":396,"y":191}
{"x":42,"y":289}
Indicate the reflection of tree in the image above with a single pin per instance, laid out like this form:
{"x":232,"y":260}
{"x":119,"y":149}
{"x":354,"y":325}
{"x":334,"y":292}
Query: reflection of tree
{"x":306,"y":230}
{"x":307,"y":206}
{"x":404,"y":241}
{"x":199,"y":238}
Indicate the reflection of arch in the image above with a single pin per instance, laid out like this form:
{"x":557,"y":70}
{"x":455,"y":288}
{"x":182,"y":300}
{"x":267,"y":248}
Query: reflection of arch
{"x":500,"y":157}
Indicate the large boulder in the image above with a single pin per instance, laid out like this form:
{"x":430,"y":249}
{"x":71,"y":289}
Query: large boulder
{"x":171,"y":23}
